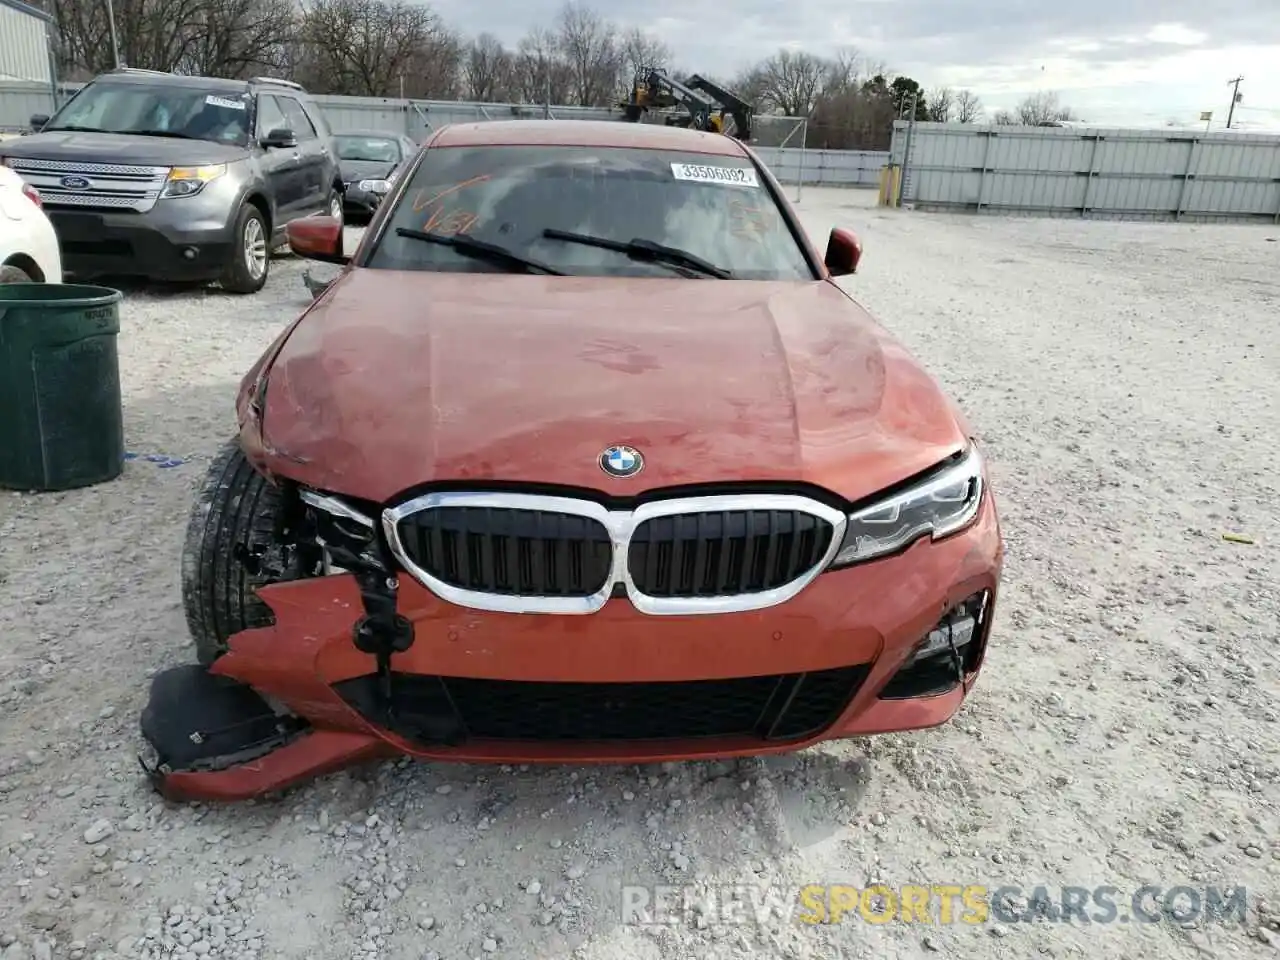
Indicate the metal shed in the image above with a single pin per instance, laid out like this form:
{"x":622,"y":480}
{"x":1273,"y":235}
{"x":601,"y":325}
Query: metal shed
{"x":27,"y":74}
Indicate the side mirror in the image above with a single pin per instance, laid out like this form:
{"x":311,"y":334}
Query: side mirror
{"x":317,"y":238}
{"x":279,"y":137}
{"x":38,"y":120}
{"x":844,"y":250}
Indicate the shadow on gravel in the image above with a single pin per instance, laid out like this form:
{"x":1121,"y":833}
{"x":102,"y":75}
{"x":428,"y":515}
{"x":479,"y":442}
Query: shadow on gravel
{"x":141,"y":286}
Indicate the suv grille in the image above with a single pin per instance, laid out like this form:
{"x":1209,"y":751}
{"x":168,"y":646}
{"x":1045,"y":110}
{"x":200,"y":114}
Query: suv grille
{"x":109,"y":186}
{"x":452,"y":710}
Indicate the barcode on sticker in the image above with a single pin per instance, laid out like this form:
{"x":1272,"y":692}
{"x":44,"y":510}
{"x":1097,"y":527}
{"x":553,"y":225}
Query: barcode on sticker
{"x":728,"y":176}
{"x":213,"y":101}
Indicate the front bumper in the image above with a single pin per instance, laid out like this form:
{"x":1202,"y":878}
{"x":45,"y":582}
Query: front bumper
{"x":156,"y":245}
{"x":359,"y":202}
{"x":859,"y":626}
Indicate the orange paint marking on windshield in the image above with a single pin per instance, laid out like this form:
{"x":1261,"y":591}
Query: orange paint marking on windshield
{"x":420,"y":205}
{"x":450,"y":222}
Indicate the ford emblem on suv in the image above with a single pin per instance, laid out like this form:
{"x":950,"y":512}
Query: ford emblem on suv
{"x":75,"y":183}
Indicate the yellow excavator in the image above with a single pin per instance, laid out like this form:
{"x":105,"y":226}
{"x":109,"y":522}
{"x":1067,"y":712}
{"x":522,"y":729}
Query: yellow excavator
{"x":709,"y":106}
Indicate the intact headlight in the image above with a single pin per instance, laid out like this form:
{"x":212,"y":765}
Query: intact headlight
{"x":376,"y":186}
{"x":188,"y":181}
{"x":943,"y":503}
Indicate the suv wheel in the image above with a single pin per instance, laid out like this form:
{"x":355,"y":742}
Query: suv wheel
{"x":250,"y":253}
{"x":335,"y":205}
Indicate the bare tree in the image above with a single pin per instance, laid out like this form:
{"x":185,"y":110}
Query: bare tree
{"x":368,"y":48}
{"x":939,"y":104}
{"x":843,"y":72}
{"x":488,"y":70}
{"x":968,"y":107}
{"x":541,"y":76}
{"x":790,"y":81}
{"x":589,"y":46}
{"x":640,"y":52}
{"x":1005,"y":118}
{"x":1041,"y":108}
{"x":152,"y":34}
{"x":239,"y":38}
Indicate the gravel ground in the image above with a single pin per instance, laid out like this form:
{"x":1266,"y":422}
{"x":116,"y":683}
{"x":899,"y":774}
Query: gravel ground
{"x":1124,"y":378}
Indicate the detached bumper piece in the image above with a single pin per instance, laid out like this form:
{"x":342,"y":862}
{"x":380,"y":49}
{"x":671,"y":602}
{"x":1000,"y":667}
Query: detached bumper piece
{"x":450,"y":711}
{"x":948,"y":653}
{"x":198,"y":722}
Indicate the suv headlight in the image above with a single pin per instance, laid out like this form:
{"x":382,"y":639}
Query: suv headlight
{"x":944,"y":502}
{"x":188,"y":181}
{"x":376,"y":186}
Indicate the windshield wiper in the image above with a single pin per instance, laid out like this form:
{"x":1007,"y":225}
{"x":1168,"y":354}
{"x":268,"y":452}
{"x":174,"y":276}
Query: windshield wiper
{"x":645,"y":250}
{"x":480,"y":250}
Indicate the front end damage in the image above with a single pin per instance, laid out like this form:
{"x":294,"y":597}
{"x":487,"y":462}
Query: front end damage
{"x":351,"y":663}
{"x":218,"y":732}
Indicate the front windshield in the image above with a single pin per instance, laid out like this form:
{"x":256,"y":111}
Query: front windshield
{"x":713,"y":207}
{"x":373,"y":149}
{"x":168,"y":110}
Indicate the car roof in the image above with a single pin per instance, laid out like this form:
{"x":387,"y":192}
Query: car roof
{"x":585,"y":133}
{"x":209,"y":84}
{"x":147,"y":78}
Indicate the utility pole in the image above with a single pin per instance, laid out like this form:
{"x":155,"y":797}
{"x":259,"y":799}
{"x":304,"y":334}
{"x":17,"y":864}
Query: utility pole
{"x":1235,"y":98}
{"x":111,"y":26}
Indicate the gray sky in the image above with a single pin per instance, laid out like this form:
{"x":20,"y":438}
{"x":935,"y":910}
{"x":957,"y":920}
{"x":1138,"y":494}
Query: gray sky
{"x":1113,"y":61}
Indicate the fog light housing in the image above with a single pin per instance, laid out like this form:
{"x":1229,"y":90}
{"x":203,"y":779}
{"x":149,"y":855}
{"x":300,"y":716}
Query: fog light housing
{"x":946,"y":654}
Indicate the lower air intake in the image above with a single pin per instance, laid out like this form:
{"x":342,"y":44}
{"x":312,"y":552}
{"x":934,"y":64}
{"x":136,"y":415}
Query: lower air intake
{"x":452,"y":710}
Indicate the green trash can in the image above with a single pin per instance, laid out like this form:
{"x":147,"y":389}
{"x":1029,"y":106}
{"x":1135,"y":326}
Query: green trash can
{"x":61,"y":418}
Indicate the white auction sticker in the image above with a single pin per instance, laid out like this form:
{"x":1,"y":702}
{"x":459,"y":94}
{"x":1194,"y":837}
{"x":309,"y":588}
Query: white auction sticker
{"x":726,"y":176}
{"x":213,"y":101}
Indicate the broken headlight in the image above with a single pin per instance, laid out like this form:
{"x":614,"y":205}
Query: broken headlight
{"x":943,"y":503}
{"x":348,"y":536}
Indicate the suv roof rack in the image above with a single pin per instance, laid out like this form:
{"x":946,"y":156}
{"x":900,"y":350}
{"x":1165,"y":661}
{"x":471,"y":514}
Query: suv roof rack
{"x":154,"y":73}
{"x":277,"y":81}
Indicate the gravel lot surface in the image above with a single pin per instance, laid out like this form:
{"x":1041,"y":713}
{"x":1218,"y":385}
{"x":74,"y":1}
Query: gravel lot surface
{"x":1126,"y":381}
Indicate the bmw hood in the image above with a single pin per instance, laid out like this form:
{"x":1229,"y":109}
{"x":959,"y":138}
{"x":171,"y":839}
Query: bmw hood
{"x":397,"y":379}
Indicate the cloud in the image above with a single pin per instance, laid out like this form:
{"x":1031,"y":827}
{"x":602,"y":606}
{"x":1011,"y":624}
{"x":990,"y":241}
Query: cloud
{"x":1141,"y":59}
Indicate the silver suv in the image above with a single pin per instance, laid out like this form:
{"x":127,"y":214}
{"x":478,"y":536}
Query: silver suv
{"x":179,"y":178}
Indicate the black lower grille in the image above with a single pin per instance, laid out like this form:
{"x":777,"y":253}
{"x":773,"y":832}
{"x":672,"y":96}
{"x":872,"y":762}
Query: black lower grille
{"x":513,"y":552}
{"x":451,"y":710}
{"x":725,"y":553}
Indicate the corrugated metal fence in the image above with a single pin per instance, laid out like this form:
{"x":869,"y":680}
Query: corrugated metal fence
{"x":20,"y":99}
{"x":24,"y":43}
{"x":418,"y":117}
{"x":1093,"y":172}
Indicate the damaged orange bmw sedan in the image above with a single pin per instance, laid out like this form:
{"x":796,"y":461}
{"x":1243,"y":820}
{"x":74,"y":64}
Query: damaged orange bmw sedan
{"x":583,"y":457}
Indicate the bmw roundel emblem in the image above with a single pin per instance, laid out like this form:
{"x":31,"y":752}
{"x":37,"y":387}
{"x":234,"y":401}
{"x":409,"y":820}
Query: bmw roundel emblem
{"x":75,"y":183}
{"x":621,"y":461}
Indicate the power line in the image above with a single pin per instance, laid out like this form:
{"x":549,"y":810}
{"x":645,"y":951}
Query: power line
{"x":1235,"y":98}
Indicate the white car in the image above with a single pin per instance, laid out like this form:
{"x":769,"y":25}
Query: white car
{"x":28,"y":244}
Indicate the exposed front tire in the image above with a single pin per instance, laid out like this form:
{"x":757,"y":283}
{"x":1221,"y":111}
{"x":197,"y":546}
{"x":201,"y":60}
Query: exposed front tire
{"x":336,"y":205}
{"x":11,"y":274}
{"x":250,"y":260}
{"x":235,"y":511}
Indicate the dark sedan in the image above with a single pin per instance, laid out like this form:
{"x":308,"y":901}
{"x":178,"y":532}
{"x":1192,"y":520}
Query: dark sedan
{"x":369,"y":160}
